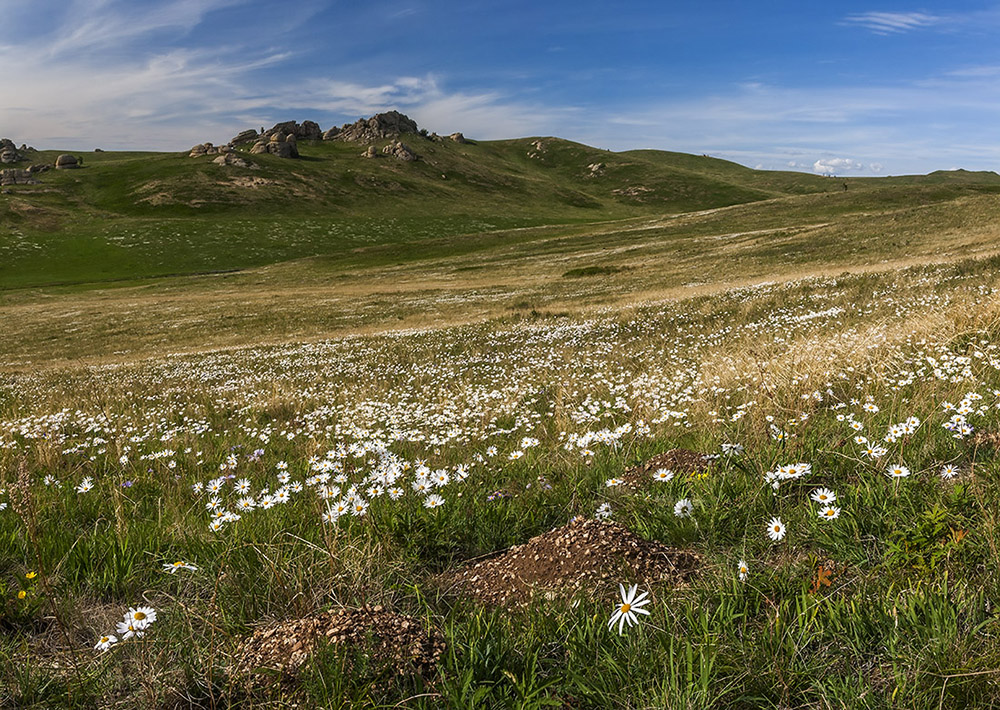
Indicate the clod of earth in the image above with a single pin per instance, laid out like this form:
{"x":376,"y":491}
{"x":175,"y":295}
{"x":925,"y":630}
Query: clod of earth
{"x":385,"y":637}
{"x":680,"y":461}
{"x":584,"y":554}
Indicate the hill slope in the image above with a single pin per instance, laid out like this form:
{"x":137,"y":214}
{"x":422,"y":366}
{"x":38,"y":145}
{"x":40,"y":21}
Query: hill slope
{"x":129,"y":215}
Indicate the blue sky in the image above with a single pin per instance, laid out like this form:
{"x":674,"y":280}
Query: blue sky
{"x":845,"y":88}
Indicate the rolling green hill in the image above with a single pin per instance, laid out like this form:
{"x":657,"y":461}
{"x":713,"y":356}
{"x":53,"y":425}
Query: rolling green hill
{"x":137,"y":215}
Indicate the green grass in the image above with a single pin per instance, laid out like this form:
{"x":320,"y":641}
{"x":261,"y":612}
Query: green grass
{"x":136,"y":215}
{"x":908,"y":619}
{"x":357,"y":301}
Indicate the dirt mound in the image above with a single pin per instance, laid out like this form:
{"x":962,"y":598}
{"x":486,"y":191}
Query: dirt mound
{"x":678,"y":461}
{"x":383,"y":636}
{"x":584,"y":553}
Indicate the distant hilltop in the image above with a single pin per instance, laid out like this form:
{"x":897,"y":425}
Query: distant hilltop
{"x":282,"y":139}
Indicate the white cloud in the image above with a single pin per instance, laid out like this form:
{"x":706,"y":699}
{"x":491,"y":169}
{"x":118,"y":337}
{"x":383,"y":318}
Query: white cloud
{"x":885,"y":23}
{"x":101,"y":78}
{"x":833,"y":166}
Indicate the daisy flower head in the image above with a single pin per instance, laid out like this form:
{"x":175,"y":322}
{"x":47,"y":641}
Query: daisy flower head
{"x":949,"y":471}
{"x":603,"y":511}
{"x":775,"y":529}
{"x":140,"y":617}
{"x":823,"y":495}
{"x":628,"y":608}
{"x":433,"y":501}
{"x":742,"y":570}
{"x":441,"y":478}
{"x":898,"y":471}
{"x":172,"y":567}
{"x":612,"y":482}
{"x":683,"y":508}
{"x":829,"y":512}
{"x":85,"y":485}
{"x":105,"y":642}
{"x":422,"y":485}
{"x":663,"y":475}
{"x":127,"y":629}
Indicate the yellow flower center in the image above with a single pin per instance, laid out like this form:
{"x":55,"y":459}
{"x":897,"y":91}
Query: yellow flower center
{"x":104,"y":639}
{"x":829,"y":513}
{"x":625,"y":608}
{"x":139,"y":616}
{"x":777,"y":528}
{"x":178,"y":564}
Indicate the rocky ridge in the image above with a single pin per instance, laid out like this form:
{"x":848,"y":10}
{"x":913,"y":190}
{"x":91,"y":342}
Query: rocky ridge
{"x":282,"y":139}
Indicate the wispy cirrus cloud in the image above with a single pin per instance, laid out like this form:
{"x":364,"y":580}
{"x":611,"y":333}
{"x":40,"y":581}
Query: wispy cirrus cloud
{"x":887,"y":23}
{"x":99,"y":77}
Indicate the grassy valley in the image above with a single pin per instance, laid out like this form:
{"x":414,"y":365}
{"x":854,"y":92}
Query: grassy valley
{"x":281,"y":410}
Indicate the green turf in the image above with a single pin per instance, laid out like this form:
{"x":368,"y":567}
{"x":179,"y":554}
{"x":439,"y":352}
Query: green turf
{"x":137,"y":215}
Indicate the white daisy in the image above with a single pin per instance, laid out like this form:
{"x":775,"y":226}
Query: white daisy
{"x":628,"y":608}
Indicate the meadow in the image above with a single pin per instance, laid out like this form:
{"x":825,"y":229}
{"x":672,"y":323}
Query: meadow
{"x":188,"y":459}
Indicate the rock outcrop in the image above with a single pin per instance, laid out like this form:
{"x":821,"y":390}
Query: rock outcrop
{"x":234,"y":159}
{"x":281,"y":148}
{"x":400,"y":151}
{"x":13,"y":176}
{"x":458,"y":138}
{"x":306,"y":131}
{"x":208,"y":149}
{"x":9,"y":153}
{"x":369,"y":130}
{"x":67,"y":162}
{"x":245,"y":137}
{"x":539,"y":149}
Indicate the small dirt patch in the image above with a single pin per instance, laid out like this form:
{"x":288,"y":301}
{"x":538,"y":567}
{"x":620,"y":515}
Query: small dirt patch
{"x":582,"y":554}
{"x":679,"y":461}
{"x":986,"y":439}
{"x":383,"y":636}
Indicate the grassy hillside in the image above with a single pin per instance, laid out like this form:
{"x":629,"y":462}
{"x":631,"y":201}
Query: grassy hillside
{"x":138,"y":215}
{"x":202,"y":368}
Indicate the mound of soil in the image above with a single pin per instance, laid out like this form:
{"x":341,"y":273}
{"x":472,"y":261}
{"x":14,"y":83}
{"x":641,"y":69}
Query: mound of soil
{"x":385,"y":637}
{"x":585,"y":553}
{"x":680,"y":461}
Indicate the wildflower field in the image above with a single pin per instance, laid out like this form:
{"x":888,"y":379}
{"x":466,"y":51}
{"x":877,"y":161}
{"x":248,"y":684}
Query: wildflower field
{"x":780,"y":494}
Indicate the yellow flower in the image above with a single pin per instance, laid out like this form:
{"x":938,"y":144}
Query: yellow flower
{"x":31,"y":575}
{"x":22,"y":594}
